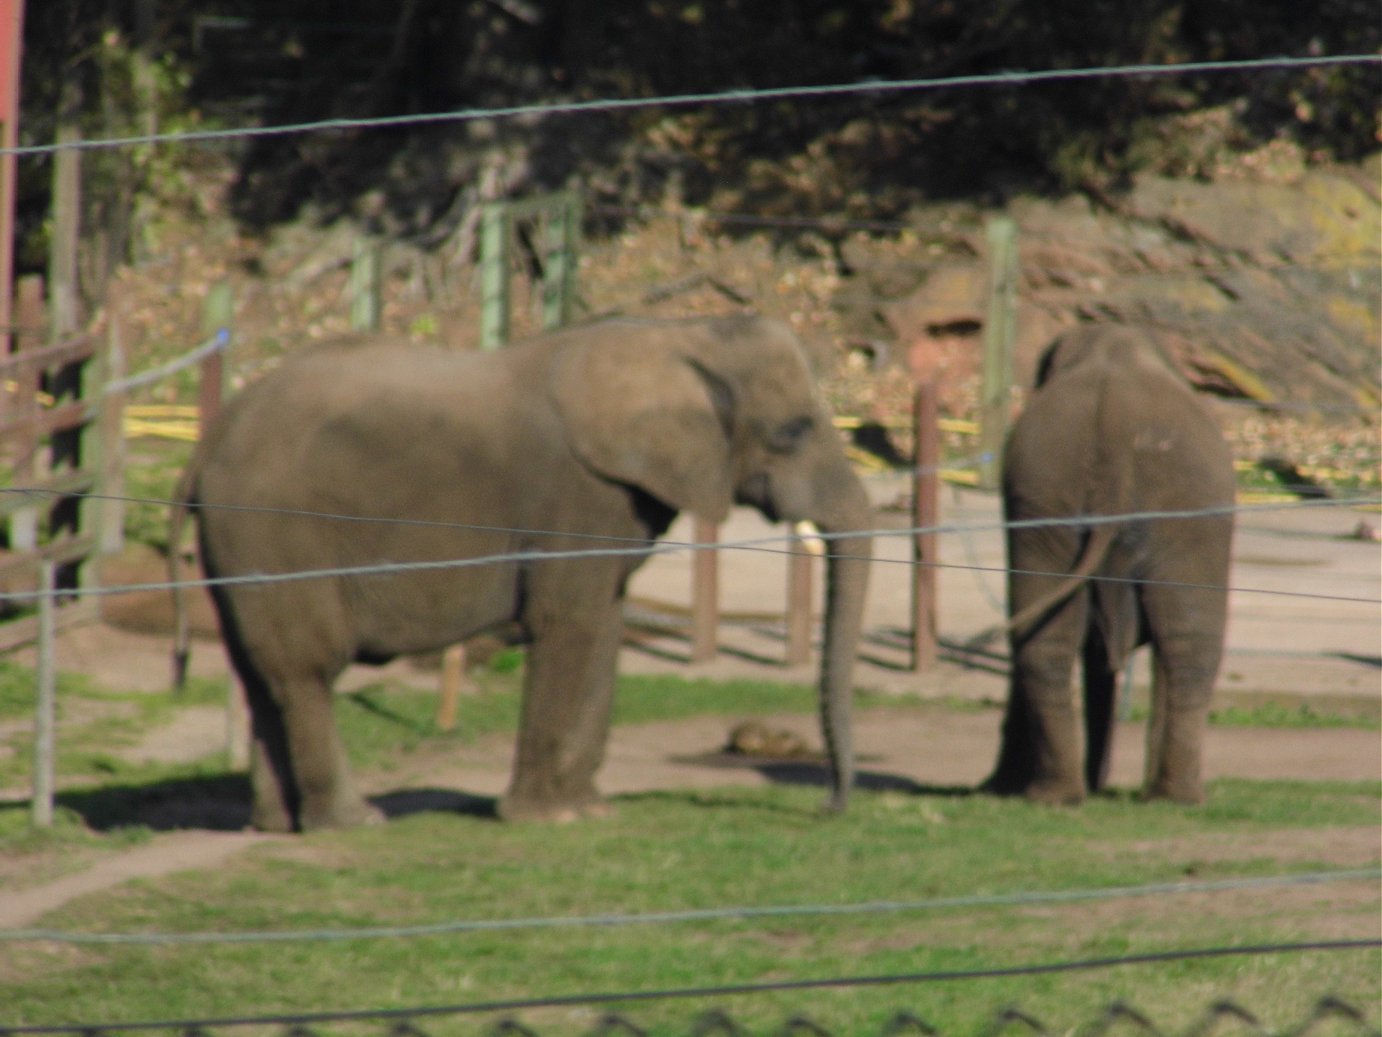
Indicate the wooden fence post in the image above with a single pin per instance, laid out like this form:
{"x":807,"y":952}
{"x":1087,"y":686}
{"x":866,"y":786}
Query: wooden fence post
{"x":1000,"y":327}
{"x":925,"y":513}
{"x":67,"y":217}
{"x":29,"y":307}
{"x":218,"y":320}
{"x":705,"y":591}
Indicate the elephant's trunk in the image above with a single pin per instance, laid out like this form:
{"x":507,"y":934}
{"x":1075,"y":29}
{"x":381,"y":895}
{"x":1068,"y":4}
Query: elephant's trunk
{"x":847,"y":571}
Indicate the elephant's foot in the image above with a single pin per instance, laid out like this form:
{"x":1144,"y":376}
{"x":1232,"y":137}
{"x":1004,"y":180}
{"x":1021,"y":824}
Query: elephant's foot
{"x":1055,"y":793}
{"x":273,"y":819}
{"x":520,"y":808}
{"x":1187,"y":794}
{"x":350,"y":814}
{"x":1001,"y":783}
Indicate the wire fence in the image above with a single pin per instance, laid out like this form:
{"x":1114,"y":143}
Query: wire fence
{"x":787,"y":543}
{"x":1328,"y":1012}
{"x":973,"y":902}
{"x":871,"y":88}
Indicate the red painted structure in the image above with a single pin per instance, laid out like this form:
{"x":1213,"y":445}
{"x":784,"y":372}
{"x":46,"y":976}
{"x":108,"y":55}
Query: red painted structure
{"x":11,"y":42}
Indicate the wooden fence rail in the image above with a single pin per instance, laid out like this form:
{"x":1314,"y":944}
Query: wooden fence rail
{"x":50,"y":451}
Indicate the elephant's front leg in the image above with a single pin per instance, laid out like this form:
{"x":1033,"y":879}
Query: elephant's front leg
{"x":567,"y":698}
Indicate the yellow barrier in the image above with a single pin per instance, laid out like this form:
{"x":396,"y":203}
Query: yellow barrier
{"x":960,"y":425}
{"x":187,"y":431}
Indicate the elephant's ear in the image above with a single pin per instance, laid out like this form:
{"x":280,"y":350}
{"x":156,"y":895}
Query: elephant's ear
{"x":639,"y":413}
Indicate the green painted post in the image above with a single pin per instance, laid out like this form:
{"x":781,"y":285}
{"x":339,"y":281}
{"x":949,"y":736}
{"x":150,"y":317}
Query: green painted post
{"x":218,"y":315}
{"x":111,"y":454}
{"x":494,"y":276}
{"x":559,"y":268}
{"x":1000,"y":328}
{"x":364,"y":286}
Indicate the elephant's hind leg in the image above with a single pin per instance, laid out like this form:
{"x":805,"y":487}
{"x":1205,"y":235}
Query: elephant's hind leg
{"x":273,"y":793}
{"x":1181,"y":689}
{"x":326,"y":791}
{"x":1043,"y":670}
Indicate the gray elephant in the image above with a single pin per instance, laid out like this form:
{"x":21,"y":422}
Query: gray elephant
{"x":584,"y":440}
{"x":1112,"y":429}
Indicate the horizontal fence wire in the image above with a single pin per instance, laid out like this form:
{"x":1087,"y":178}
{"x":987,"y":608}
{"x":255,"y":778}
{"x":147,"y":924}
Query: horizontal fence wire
{"x":785,"y":544}
{"x":612,"y":921}
{"x":216,"y":344}
{"x":870,"y":88}
{"x":297,"y":1022}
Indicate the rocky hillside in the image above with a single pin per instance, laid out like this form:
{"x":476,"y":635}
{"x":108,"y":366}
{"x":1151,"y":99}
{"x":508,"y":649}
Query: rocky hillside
{"x":1264,"y":284}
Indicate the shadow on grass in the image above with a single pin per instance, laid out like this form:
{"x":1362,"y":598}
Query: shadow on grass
{"x":221,"y":803}
{"x":814,"y":773}
{"x":403,"y":802}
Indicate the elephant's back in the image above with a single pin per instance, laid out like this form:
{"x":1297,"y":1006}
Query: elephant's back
{"x":380,"y":430}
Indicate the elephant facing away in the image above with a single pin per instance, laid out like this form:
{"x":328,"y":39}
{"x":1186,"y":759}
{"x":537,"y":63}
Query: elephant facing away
{"x":589,"y":439}
{"x":1112,"y":429}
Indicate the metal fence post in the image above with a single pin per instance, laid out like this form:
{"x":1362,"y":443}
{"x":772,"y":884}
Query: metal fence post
{"x":1000,"y":326}
{"x":45,"y":711}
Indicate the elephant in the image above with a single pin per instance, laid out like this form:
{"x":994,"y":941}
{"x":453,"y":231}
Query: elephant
{"x":1111,"y":429}
{"x":582,"y":444}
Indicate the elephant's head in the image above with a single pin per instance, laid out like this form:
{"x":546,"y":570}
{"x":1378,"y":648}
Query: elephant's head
{"x":703,"y":414}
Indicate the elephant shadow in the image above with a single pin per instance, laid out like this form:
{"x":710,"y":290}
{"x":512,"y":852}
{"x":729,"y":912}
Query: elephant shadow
{"x":221,"y":803}
{"x":815,"y":773}
{"x":218,"y":803}
{"x":404,"y":802}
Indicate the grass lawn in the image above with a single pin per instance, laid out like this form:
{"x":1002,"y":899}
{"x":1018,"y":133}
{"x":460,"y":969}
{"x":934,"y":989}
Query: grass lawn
{"x":697,"y":850}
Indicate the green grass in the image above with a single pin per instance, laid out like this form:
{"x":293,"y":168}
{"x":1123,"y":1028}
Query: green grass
{"x":96,"y":724}
{"x":684,"y":851}
{"x":690,"y":850}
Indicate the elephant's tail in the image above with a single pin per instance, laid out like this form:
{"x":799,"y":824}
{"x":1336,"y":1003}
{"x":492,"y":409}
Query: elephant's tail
{"x":1095,"y":551}
{"x":183,"y":503}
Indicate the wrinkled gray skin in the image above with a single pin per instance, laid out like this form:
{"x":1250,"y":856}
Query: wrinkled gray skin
{"x":602,"y":433}
{"x":1112,"y":429}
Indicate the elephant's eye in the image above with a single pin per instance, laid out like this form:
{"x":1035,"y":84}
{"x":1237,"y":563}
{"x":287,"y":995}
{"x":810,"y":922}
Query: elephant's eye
{"x":788,"y":436}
